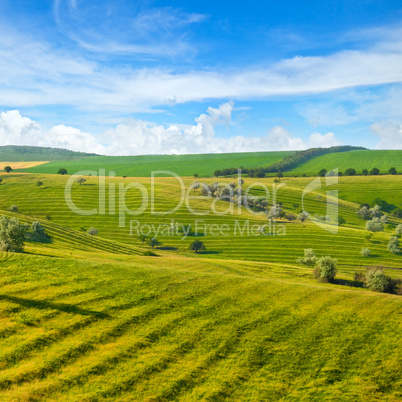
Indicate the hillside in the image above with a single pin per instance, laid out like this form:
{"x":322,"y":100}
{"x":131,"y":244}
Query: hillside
{"x":359,"y":160}
{"x":183,"y":165}
{"x":90,"y":318}
{"x":16,"y":153}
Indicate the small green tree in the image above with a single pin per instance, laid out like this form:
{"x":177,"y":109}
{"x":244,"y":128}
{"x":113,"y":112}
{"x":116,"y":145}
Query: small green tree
{"x":392,"y":171}
{"x":376,"y":280}
{"x":81,"y":180}
{"x":375,"y":225}
{"x":365,"y":252}
{"x":143,"y":238}
{"x":322,"y":172}
{"x":92,"y":231}
{"x":326,"y":269}
{"x":153,"y":242}
{"x":365,"y":172}
{"x":8,"y":169}
{"x":12,"y":234}
{"x":309,"y":258}
{"x":350,"y":172}
{"x":393,"y":244}
{"x":197,"y":245}
{"x":37,"y":228}
{"x":195,"y":175}
{"x":39,"y":184}
{"x":279,"y":174}
{"x":62,"y":171}
{"x":341,"y":220}
{"x":375,"y":171}
{"x":398,"y":230}
{"x":13,"y":208}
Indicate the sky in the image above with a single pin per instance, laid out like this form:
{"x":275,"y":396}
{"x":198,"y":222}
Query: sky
{"x":128,"y":77}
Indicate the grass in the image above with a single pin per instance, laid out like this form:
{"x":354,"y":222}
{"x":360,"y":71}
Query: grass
{"x":359,"y":160}
{"x":90,"y":318}
{"x":117,"y":328}
{"x":183,"y":165}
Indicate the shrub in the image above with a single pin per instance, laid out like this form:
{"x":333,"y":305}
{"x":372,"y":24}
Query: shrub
{"x":81,"y":180}
{"x":398,"y":230}
{"x":309,"y":258}
{"x":260,"y":174}
{"x":376,"y":280}
{"x":393,"y":244}
{"x":197,"y":245}
{"x":150,"y":253}
{"x":290,"y":217}
{"x":153,"y":242}
{"x":376,"y":211}
{"x":92,"y":231}
{"x":326,"y":269}
{"x":365,"y":252}
{"x":341,"y":220}
{"x":350,"y":172}
{"x":12,"y":234}
{"x":375,"y":225}
{"x":62,"y":171}
{"x":8,"y":169}
{"x":374,"y":171}
{"x":37,"y":228}
{"x":364,"y":212}
{"x":39,"y":184}
{"x":302,"y":216}
{"x":365,"y":172}
{"x":13,"y":208}
{"x":392,"y":171}
{"x":322,"y":172}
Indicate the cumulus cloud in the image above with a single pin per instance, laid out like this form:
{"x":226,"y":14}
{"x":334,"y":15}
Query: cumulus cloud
{"x":390,"y":135}
{"x":139,"y":137}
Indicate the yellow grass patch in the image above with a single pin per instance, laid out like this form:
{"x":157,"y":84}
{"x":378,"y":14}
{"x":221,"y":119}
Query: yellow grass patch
{"x":22,"y":165}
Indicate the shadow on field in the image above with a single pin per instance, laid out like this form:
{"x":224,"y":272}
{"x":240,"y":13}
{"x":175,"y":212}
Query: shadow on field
{"x":344,"y":282}
{"x":167,"y":248}
{"x":44,"y":305}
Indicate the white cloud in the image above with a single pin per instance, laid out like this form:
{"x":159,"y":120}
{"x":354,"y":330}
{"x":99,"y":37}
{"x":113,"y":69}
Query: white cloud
{"x":390,"y":135}
{"x":138,"y":137}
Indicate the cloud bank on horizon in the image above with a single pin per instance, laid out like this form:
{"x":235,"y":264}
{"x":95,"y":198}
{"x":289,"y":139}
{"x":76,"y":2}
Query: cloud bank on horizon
{"x":125,"y":77}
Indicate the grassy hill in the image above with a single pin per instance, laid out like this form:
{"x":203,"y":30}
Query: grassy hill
{"x":359,"y":160}
{"x":15,"y":153}
{"x":90,"y":318}
{"x":98,"y":326}
{"x":183,"y":165}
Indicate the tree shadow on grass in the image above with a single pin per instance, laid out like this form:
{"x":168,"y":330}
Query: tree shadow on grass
{"x":345,"y":282}
{"x":44,"y":305}
{"x":208,"y":252}
{"x":167,"y":248}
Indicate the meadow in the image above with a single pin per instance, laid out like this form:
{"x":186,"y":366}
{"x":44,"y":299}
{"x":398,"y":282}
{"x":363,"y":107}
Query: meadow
{"x":88,"y":318}
{"x":359,"y":160}
{"x":183,"y":165}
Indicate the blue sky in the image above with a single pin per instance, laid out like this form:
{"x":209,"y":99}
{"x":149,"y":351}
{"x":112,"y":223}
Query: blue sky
{"x":140,"y":77}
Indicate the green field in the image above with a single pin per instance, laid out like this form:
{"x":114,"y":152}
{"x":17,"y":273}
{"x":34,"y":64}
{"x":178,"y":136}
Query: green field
{"x":183,"y":165}
{"x":89,"y":318}
{"x":359,"y":160}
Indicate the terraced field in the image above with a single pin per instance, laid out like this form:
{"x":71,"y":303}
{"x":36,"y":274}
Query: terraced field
{"x":183,"y":165}
{"x":89,"y":318}
{"x":286,"y":242}
{"x":359,"y":160}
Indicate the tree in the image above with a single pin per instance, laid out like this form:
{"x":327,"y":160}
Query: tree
{"x":37,"y":228}
{"x":197,"y":245}
{"x":392,"y":171}
{"x":153,"y":242}
{"x":341,"y":220}
{"x":398,"y":230}
{"x":374,"y":171}
{"x":195,"y":175}
{"x":12,"y":234}
{"x":376,"y":280}
{"x":92,"y":231}
{"x":279,"y":174}
{"x":322,"y":172}
{"x":274,"y":212}
{"x":81,"y":180}
{"x":124,"y":177}
{"x":375,"y":225}
{"x":364,"y":212}
{"x":260,"y":174}
{"x":217,"y":173}
{"x":393,"y":244}
{"x":397,"y":213}
{"x":376,"y":211}
{"x":143,"y":238}
{"x":326,"y":269}
{"x":309,"y":258}
{"x":365,"y":172}
{"x":365,"y":252}
{"x":302,"y":216}
{"x":350,"y":172}
{"x":13,"y":208}
{"x":62,"y":171}
{"x":39,"y":184}
{"x":8,"y":169}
